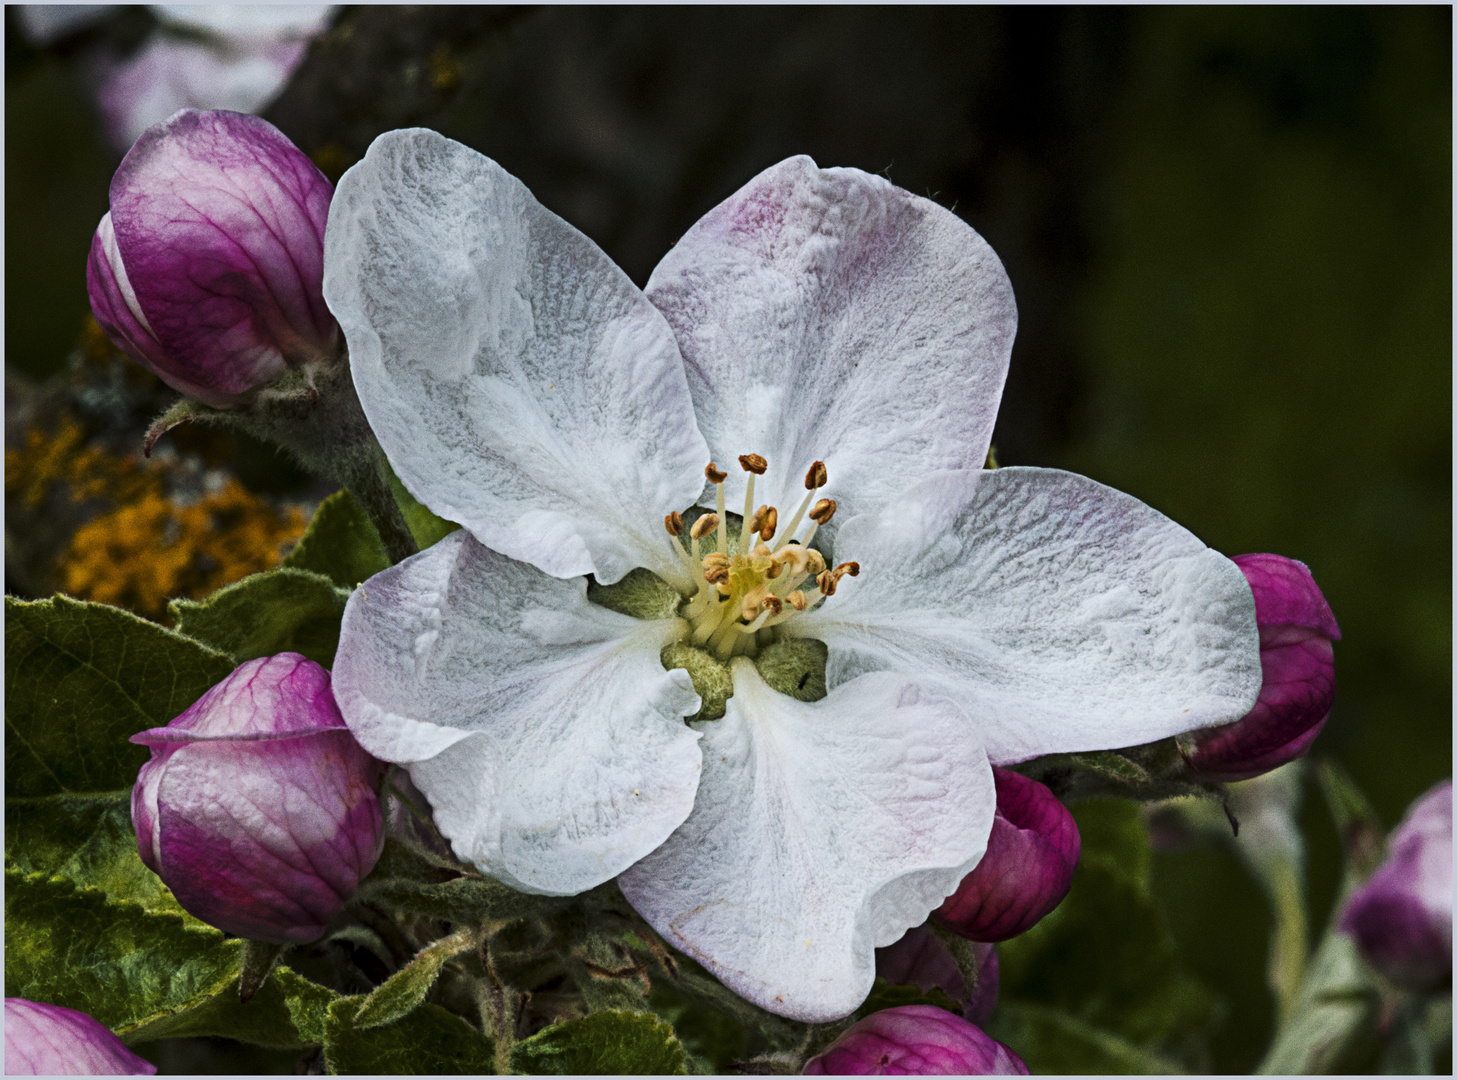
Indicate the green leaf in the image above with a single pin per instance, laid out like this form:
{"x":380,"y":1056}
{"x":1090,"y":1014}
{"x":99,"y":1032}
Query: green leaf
{"x":87,"y":839}
{"x":462,"y":900}
{"x":284,"y":610}
{"x":714,"y":1042}
{"x":288,"y":1012}
{"x":341,"y":543}
{"x":1113,"y":829}
{"x":604,"y":1043}
{"x":428,"y":528}
{"x":111,"y":959}
{"x":1051,"y":1041}
{"x":80,"y":679}
{"x":407,"y":988}
{"x":1106,"y":957}
{"x":428,"y":1040}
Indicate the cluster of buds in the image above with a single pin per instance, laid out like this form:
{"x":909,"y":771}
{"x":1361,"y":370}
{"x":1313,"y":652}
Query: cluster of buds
{"x":258,"y":809}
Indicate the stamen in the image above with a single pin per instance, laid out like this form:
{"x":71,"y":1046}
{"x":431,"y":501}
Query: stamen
{"x":823,"y":511}
{"x":817,"y":477}
{"x":674,"y":524}
{"x":827,"y":582}
{"x":703,"y":526}
{"x":757,"y":521}
{"x":753,"y":463}
{"x":715,"y":474}
{"x":797,"y":601}
{"x":770,"y":523}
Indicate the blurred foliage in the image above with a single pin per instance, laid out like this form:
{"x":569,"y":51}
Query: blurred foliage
{"x":1229,"y":230}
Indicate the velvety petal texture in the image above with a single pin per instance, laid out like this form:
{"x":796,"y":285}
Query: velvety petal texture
{"x":209,"y":267}
{"x":1027,"y":869}
{"x":47,"y":1040}
{"x":542,"y":727}
{"x":1061,"y":615}
{"x":518,"y":380}
{"x":820,"y":832}
{"x":1299,"y":676}
{"x":921,"y":959}
{"x":258,"y":808}
{"x":1402,"y":916}
{"x":826,"y":314}
{"x":915,"y":1040}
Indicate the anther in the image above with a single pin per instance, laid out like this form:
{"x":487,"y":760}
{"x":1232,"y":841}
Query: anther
{"x":769,"y":524}
{"x":827,"y":582}
{"x":816,"y":477}
{"x":797,"y":601}
{"x":757,"y":521}
{"x":673,"y":523}
{"x":703,"y":526}
{"x":714,"y":574}
{"x":815,"y":562}
{"x":772,"y":604}
{"x":715,"y":558}
{"x":851,"y":568}
{"x":753,"y":463}
{"x":761,"y":550}
{"x":775,"y":569}
{"x":714,"y":475}
{"x":823,"y":511}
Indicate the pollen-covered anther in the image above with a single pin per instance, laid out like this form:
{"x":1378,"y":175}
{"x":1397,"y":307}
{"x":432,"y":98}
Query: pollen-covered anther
{"x":715,"y":574}
{"x":715,"y":558}
{"x":760,"y":516}
{"x":703,"y":526}
{"x":761,"y":551}
{"x":775,"y":569}
{"x":673,"y":523}
{"x":817,"y":477}
{"x":770,"y":523}
{"x":772,"y":604}
{"x":851,"y":568}
{"x":827,"y":582}
{"x":714,"y":474}
{"x":753,"y":463}
{"x":823,"y":511}
{"x":797,"y":601}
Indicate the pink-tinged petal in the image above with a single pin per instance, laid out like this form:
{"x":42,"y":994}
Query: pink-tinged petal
{"x":915,"y":1040}
{"x":1299,"y":680}
{"x":1027,"y":869}
{"x":258,"y":808}
{"x":520,"y":383}
{"x":217,"y":257}
{"x":825,"y":314}
{"x":820,"y":832}
{"x":1401,"y":917}
{"x":921,"y":959}
{"x":48,"y":1040}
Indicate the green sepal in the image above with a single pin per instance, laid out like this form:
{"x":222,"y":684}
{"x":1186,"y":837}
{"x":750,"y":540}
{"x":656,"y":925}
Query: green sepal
{"x":888,"y":995}
{"x":259,"y":960}
{"x":406,"y":988}
{"x":631,"y":1043}
{"x":795,"y":667}
{"x":341,"y":543}
{"x":427,"y":1040}
{"x":641,"y":594}
{"x":1053,"y":1041}
{"x":111,"y":959}
{"x":427,"y":527}
{"x":1145,"y":773}
{"x":466,"y":900}
{"x":80,"y":679}
{"x":284,"y":610}
{"x":288,"y":1012}
{"x":87,"y":839}
{"x":711,"y":678}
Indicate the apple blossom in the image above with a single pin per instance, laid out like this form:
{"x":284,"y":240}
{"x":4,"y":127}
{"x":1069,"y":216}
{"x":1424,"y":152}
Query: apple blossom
{"x":838,"y":346}
{"x":258,"y":808}
{"x":1401,"y":917}
{"x":208,"y":267}
{"x":48,"y":1040}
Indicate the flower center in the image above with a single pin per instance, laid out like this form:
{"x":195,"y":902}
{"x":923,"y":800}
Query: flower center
{"x":744,"y":588}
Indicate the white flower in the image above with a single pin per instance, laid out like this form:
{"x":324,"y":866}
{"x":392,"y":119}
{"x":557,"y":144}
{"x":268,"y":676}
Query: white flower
{"x":523,"y":386}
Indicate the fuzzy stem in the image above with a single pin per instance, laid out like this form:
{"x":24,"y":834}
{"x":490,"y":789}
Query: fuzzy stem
{"x":372,"y":491}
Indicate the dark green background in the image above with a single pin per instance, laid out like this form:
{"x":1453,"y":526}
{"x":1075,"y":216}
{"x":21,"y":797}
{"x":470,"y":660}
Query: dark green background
{"x":1229,"y":230}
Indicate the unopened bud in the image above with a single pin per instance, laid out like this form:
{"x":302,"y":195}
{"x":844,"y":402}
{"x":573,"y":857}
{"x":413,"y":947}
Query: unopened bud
{"x":753,"y":463}
{"x":919,"y":1040}
{"x":823,"y":511}
{"x":49,"y":1040}
{"x":816,"y":477}
{"x":673,"y":523}
{"x":703,"y":526}
{"x":715,"y":476}
{"x":771,"y":522}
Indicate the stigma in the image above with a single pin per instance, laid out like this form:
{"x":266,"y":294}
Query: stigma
{"x":744,"y":588}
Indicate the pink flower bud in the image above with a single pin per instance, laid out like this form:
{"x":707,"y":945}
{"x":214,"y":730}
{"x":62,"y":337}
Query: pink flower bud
{"x":922,"y":960}
{"x":47,"y":1040}
{"x":1401,"y":917}
{"x":209,"y":268}
{"x":1296,"y":631}
{"x":915,"y":1040}
{"x":1027,"y":869}
{"x":258,"y":808}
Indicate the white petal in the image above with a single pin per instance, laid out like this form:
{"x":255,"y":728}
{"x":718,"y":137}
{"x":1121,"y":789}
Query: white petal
{"x":542,"y":728}
{"x":1060,"y":614}
{"x":821,"y":832}
{"x":518,"y":380}
{"x":825,"y":314}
